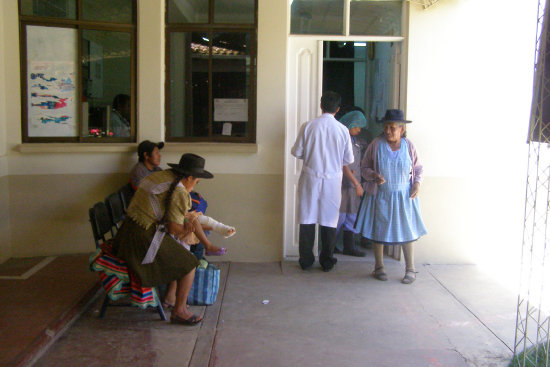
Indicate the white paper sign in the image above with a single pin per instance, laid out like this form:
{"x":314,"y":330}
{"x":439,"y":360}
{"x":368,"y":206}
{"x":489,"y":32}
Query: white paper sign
{"x":226,"y":128}
{"x":230,"y":109}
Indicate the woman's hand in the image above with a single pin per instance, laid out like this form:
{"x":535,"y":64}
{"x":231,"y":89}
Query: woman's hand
{"x":380,"y":179}
{"x":359,"y":190}
{"x":414,"y":189}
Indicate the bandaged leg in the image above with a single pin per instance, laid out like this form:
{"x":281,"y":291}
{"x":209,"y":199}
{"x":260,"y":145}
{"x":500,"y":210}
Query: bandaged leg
{"x":216,"y":226}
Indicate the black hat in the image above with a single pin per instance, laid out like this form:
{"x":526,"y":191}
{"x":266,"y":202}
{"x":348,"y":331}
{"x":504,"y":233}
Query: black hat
{"x":192,"y":165}
{"x":147,"y":146}
{"x":395,"y":116}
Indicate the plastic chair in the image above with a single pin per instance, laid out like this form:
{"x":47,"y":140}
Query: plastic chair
{"x":115,"y":206}
{"x":101,"y":223}
{"x":126,"y":193}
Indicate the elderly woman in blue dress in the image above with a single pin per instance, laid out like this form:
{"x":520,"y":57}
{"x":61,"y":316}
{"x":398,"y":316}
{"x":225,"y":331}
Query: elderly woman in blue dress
{"x":389,"y":214}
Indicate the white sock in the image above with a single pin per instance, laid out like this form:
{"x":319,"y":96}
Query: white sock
{"x":217,"y":227}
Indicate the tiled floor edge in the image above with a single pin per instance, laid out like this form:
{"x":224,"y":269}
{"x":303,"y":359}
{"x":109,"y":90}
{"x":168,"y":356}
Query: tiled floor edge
{"x":42,"y":342}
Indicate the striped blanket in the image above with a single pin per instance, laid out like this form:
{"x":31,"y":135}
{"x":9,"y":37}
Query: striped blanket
{"x":119,"y":281}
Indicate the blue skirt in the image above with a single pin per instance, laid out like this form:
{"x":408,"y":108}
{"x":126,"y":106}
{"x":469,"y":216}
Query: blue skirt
{"x":390,"y":217}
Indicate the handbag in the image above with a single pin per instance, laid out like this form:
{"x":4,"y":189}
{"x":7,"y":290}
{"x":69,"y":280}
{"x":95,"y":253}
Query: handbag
{"x":205,"y":286}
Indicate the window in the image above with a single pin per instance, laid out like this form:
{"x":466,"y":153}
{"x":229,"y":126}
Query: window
{"x":78,"y":70}
{"x":366,"y":17}
{"x":211,"y":70}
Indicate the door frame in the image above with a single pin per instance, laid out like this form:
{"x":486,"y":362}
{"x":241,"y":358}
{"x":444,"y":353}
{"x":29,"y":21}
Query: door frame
{"x":302,"y":107}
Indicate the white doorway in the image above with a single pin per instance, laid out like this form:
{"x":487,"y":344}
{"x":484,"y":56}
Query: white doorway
{"x":305,"y":79}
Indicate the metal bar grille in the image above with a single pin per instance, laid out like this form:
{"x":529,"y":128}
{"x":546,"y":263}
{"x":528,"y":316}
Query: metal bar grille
{"x":532,"y":320}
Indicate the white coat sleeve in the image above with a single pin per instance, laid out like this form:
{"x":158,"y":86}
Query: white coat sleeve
{"x":348,"y":150}
{"x":298,"y":148}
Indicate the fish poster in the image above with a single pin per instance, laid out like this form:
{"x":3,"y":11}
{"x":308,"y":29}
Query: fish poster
{"x":51,"y":78}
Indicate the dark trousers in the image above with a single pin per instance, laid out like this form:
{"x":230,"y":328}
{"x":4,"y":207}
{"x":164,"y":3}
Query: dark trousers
{"x":307,"y":238}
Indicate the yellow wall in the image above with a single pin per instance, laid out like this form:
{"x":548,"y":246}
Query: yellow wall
{"x":5,"y":247}
{"x":49,"y":213}
{"x":468,"y":93}
{"x":48,"y":192}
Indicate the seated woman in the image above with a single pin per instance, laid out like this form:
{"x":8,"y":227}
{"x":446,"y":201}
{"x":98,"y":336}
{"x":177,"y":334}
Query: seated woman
{"x":150,"y":239}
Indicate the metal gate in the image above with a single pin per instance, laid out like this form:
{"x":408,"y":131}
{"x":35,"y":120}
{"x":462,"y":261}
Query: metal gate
{"x":533,"y":308}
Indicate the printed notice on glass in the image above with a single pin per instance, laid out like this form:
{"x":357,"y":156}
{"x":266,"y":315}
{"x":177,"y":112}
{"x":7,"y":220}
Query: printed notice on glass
{"x":230,"y":109}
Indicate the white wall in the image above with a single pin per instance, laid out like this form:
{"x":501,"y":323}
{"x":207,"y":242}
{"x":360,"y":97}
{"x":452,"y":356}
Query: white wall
{"x":470,"y":72}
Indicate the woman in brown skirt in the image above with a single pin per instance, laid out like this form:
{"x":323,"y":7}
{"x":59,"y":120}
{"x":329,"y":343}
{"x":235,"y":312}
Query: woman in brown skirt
{"x":150,"y":239}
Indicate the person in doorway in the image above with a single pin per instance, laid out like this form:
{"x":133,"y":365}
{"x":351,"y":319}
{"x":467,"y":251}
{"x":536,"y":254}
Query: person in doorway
{"x":148,"y":162}
{"x":324,"y":145}
{"x":352,"y":191}
{"x":121,"y":115}
{"x":150,"y":238}
{"x":389,"y":214}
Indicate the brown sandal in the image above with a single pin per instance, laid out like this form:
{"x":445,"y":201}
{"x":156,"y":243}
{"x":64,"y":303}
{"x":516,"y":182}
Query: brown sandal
{"x":175,"y":319}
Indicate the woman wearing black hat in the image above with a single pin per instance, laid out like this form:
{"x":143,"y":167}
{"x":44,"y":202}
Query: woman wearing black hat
{"x":389,"y":214}
{"x":157,"y":219}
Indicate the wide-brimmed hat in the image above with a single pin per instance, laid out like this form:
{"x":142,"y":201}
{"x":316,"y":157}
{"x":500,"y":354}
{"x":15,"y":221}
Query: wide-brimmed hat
{"x":192,"y":165}
{"x":395,"y":116}
{"x":148,"y":146}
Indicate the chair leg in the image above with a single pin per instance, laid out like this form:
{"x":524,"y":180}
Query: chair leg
{"x":159,"y":307}
{"x":104,"y":306}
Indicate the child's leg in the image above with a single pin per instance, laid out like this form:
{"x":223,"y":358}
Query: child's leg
{"x":216,"y":226}
{"x":199,"y":232}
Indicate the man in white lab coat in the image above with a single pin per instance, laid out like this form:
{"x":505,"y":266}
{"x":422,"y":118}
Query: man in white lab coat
{"x":324,"y":145}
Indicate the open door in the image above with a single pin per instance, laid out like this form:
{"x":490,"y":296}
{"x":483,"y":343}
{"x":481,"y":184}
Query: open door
{"x":304,"y":88}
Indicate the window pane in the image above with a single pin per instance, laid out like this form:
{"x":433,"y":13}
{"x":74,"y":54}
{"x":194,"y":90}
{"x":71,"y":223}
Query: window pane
{"x":230,"y":83}
{"x":49,"y":8}
{"x":234,"y":11}
{"x":106,"y":83}
{"x":51,"y":78}
{"x":189,"y":53}
{"x":118,"y":11}
{"x":185,"y":11}
{"x":317,"y":17}
{"x":375,"y":18}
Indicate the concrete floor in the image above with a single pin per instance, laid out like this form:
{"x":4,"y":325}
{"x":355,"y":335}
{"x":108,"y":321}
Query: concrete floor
{"x":453,"y":315}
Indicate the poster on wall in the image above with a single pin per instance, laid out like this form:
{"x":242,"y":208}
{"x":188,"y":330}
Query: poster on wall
{"x":51,"y":76}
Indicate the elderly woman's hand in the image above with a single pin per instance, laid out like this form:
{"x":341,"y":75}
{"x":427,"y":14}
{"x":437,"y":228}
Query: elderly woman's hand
{"x":414,"y":190}
{"x":380,"y":179}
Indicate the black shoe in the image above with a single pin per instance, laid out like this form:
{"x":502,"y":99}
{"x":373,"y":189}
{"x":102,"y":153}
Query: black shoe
{"x":327,"y":265}
{"x":305,"y":265}
{"x":354,"y":252}
{"x":349,"y":245}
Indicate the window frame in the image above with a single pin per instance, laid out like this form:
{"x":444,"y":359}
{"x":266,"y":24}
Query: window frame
{"x":79,"y":25}
{"x":210,"y":27}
